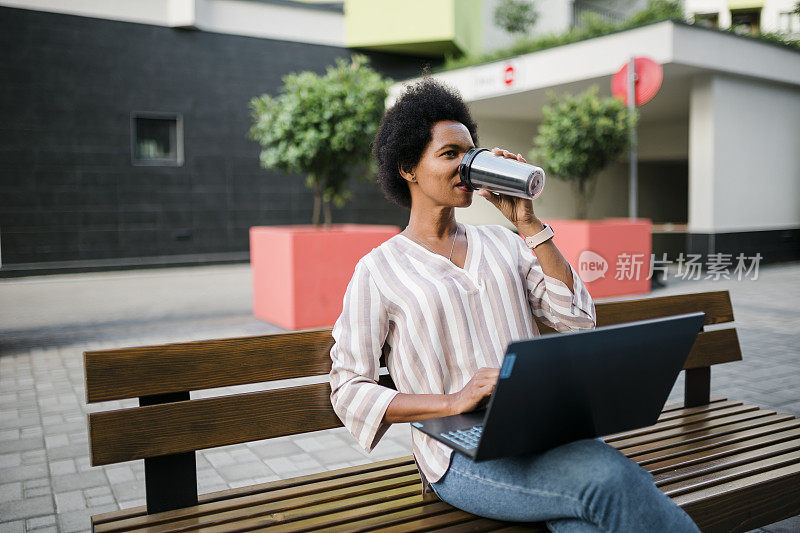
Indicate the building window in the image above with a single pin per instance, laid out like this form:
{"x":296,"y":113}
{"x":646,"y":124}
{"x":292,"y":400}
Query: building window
{"x":746,"y":20}
{"x":789,"y":23}
{"x":707,"y":19}
{"x":157,"y":139}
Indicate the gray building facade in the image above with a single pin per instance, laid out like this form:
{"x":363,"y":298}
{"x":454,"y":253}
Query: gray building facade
{"x":74,"y":92}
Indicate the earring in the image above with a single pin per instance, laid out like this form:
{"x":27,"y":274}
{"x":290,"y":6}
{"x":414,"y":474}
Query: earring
{"x":413,"y":178}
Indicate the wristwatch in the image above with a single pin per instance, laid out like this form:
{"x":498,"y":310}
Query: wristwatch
{"x":539,"y":238}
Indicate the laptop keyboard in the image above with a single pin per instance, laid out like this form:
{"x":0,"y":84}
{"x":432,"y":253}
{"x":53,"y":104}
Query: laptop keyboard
{"x":466,"y":438}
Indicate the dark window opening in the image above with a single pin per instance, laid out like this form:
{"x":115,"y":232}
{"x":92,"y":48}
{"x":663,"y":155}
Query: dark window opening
{"x":157,"y":139}
{"x":746,"y":21}
{"x":707,"y":19}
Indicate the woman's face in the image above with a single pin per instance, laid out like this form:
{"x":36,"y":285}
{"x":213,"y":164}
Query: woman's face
{"x":437,"y":171}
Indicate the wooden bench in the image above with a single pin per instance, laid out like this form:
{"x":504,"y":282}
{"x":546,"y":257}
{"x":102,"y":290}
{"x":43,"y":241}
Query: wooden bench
{"x":732,"y":467}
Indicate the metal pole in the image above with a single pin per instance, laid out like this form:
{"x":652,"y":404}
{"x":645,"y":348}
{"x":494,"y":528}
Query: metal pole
{"x":633,"y":192}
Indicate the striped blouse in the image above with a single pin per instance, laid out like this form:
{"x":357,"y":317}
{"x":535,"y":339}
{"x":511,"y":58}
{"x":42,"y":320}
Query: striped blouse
{"x":437,"y":324}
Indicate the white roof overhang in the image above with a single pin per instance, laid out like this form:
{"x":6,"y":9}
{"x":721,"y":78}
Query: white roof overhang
{"x":683,"y":50}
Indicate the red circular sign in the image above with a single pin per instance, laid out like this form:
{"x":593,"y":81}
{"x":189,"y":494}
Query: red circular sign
{"x":508,"y":74}
{"x":649,"y":76}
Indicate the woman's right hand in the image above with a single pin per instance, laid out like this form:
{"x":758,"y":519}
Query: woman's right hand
{"x":476,"y":393}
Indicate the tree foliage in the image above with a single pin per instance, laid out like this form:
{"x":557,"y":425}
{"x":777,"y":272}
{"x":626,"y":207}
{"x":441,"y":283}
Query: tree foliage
{"x":321,"y":126}
{"x":580,"y":136}
{"x":658,"y":10}
{"x":517,"y":17}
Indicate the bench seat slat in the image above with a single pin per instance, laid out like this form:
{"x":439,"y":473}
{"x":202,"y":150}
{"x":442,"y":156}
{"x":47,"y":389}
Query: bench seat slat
{"x":399,"y":519}
{"x":331,"y":514}
{"x":754,"y":445}
{"x":351,"y":474}
{"x":728,"y":474}
{"x":486,"y":524}
{"x":274,"y":512}
{"x":350,"y":485}
{"x":453,"y":518}
{"x":387,"y":514}
{"x":684,"y":451}
{"x":711,"y":464}
{"x":691,"y":429}
{"x":344,"y":476}
{"x":617,"y":438}
{"x":731,"y":434}
{"x":685,"y":420}
{"x":678,"y":413}
{"x":700,"y":456}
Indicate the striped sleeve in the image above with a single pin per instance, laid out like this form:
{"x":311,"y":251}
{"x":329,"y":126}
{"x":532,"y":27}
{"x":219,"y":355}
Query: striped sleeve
{"x":550,"y":299}
{"x":359,"y":334}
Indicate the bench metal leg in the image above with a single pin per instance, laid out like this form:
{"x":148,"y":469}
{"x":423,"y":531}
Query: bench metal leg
{"x":697,"y":387}
{"x":170,"y":480}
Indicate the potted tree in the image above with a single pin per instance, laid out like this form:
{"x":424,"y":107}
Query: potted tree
{"x":580,"y":136}
{"x":319,"y":126}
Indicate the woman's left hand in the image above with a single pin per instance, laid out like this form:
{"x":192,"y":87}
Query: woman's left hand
{"x":515,"y":209}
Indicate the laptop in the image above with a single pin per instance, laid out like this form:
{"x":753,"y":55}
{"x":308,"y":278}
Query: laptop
{"x":562,"y":387}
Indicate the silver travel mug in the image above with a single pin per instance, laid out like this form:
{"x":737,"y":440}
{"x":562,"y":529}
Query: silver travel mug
{"x":481,"y":169}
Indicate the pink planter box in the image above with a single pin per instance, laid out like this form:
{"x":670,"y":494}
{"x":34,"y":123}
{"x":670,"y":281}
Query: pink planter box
{"x":300,"y":273}
{"x":612,"y":256}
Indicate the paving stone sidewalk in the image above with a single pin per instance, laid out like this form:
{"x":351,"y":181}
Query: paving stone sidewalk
{"x":46,"y":483}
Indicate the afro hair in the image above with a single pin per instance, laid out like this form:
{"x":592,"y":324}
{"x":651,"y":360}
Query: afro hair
{"x":406,"y":130}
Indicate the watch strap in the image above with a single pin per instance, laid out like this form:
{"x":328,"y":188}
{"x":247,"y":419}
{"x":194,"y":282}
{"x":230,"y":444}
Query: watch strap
{"x":539,"y":238}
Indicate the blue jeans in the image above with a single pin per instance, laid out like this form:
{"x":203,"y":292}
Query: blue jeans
{"x":582,"y":486}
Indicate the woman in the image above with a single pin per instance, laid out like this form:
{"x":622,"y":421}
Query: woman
{"x":442,"y":300}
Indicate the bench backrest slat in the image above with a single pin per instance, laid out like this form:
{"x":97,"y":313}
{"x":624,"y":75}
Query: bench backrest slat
{"x":714,"y":347}
{"x":155,"y":430}
{"x":189,"y":366}
{"x":716,"y":305}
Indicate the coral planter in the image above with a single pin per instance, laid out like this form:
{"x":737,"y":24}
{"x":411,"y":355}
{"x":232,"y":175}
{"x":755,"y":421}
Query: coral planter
{"x":300,"y":273}
{"x":612,"y":256}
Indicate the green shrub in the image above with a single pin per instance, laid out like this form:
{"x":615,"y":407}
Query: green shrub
{"x":580,"y":136}
{"x":322,"y":126}
{"x":515,"y":16}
